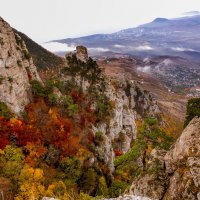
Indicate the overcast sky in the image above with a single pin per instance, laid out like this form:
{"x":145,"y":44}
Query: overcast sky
{"x":45,"y":20}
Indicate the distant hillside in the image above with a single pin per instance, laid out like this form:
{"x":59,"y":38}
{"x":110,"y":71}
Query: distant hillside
{"x":42,"y":58}
{"x":172,"y":37}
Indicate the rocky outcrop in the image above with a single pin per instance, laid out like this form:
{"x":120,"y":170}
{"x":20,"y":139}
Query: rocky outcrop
{"x":174,"y":175}
{"x":81,"y":53}
{"x":183,"y":164}
{"x":16,"y":69}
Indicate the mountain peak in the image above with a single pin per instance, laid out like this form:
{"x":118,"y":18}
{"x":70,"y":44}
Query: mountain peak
{"x":160,"y":20}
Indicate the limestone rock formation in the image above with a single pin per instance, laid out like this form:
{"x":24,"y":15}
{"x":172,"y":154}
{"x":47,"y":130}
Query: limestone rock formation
{"x":183,"y":164}
{"x":16,"y":69}
{"x":80,"y":52}
{"x":174,"y":175}
{"x":130,"y":101}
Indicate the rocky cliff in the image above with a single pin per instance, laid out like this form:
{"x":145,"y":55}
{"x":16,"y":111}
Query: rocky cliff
{"x":173,"y":175}
{"x":16,"y":69}
{"x":130,"y":102}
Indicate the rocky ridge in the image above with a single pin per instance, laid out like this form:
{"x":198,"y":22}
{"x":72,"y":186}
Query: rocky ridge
{"x":16,"y":69}
{"x":129,"y":101}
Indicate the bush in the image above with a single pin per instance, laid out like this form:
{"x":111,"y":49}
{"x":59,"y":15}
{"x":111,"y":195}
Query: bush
{"x":27,"y":55}
{"x":68,"y":103}
{"x":72,"y":167}
{"x":99,"y":137}
{"x":151,"y":121}
{"x":88,"y":182}
{"x":11,"y":162}
{"x":193,"y":109}
{"x":1,"y":79}
{"x":13,"y":154}
{"x":132,"y":154}
{"x":56,"y":189}
{"x":117,"y":188}
{"x":102,"y":187}
{"x":52,"y":99}
{"x":72,"y":109}
{"x":18,"y":39}
{"x":24,"y":115}
{"x":49,"y":85}
{"x":5,"y":111}
{"x":103,"y":108}
{"x":37,"y":89}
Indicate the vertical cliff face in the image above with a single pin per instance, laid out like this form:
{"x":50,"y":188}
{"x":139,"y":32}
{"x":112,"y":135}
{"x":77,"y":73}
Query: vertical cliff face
{"x":174,"y":174}
{"x":16,"y":69}
{"x":129,"y":102}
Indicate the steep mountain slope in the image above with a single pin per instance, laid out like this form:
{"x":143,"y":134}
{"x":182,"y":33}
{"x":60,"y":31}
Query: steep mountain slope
{"x":42,"y":58}
{"x":177,"y":37}
{"x":16,"y":69}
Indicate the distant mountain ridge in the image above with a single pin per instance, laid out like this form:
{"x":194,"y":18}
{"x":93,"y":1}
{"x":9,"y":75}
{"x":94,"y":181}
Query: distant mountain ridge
{"x":191,"y":13}
{"x":161,"y":20}
{"x":176,"y":37}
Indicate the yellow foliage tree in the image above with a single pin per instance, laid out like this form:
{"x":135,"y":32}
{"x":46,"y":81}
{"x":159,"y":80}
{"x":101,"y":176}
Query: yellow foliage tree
{"x":57,"y":190}
{"x":31,"y":187}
